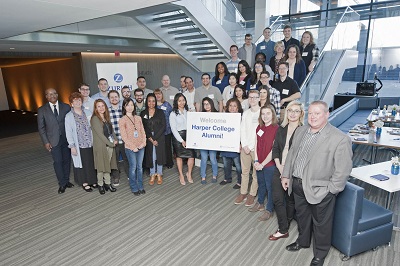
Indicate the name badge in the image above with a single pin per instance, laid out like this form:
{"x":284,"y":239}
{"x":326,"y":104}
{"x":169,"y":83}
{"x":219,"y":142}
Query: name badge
{"x":262,"y":47}
{"x":242,"y":82}
{"x":260,"y":133}
{"x":304,"y":54}
{"x":253,"y":87}
{"x":211,"y":96}
{"x":236,"y":69}
{"x":163,"y":108}
{"x":285,"y":91}
{"x":135,"y":134}
{"x":218,"y":82}
{"x":171,"y":97}
{"x":145,"y":117}
{"x":86,"y":107}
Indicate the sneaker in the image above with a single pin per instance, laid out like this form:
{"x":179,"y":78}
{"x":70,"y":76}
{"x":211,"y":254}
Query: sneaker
{"x":249,"y":201}
{"x":116,"y":183}
{"x":261,"y":208}
{"x":240,"y":199}
{"x":265,"y":216}
{"x":236,"y":186}
{"x":255,"y":207}
{"x":213,"y":180}
{"x":203,"y":182}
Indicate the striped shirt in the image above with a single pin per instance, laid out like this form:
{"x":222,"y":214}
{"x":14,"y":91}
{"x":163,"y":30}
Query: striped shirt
{"x":307,"y":143}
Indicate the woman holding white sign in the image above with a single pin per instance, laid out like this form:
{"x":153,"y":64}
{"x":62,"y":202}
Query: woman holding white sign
{"x":208,"y":106}
{"x":177,"y":120}
{"x":230,"y":158}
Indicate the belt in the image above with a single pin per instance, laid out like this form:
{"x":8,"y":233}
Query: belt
{"x":298,"y":179}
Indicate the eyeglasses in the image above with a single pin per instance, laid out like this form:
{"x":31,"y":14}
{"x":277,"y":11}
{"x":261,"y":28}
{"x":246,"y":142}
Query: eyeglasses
{"x":253,"y":97}
{"x":248,"y":39}
{"x":294,"y":111}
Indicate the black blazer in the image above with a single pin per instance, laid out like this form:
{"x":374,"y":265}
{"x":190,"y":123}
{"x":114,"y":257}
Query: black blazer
{"x":280,"y":141}
{"x":51,"y":128}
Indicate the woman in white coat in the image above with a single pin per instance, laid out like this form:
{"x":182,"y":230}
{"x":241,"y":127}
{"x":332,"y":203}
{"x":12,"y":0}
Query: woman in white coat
{"x":80,"y":141}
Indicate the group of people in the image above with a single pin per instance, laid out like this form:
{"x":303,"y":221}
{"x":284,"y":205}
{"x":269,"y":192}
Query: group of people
{"x":296,"y":170}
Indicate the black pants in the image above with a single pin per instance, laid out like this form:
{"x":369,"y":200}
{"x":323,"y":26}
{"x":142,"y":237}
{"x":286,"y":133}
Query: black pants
{"x":314,"y":218}
{"x":283,"y":203}
{"x":168,"y":150}
{"x":62,"y":161}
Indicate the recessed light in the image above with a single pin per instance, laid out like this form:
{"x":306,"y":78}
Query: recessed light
{"x":23,"y":113}
{"x":13,"y":111}
{"x":88,"y":50}
{"x":12,"y":48}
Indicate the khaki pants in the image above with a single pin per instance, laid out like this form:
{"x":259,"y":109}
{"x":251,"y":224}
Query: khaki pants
{"x":106,"y":176}
{"x":246,"y":161}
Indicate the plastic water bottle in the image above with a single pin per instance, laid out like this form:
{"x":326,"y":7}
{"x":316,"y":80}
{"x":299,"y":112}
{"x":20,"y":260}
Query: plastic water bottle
{"x":384,"y":110}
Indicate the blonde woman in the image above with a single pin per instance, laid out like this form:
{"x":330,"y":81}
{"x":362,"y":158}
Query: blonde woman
{"x":283,"y":203}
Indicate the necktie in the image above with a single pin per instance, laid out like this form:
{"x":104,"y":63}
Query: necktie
{"x":55,"y":110}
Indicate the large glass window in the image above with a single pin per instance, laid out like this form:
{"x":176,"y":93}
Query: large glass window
{"x":279,"y":7}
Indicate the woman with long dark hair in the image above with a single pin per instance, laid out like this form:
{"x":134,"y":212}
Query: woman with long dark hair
{"x":244,"y":75}
{"x":220,"y":80}
{"x":208,"y":106}
{"x":297,"y":67}
{"x":177,"y":120}
{"x":134,"y":137}
{"x":154,"y":125}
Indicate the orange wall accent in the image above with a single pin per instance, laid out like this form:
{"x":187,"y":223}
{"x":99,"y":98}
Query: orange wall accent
{"x":25,"y":85}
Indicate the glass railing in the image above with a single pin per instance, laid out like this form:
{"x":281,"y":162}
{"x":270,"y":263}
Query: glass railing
{"x":345,"y":36}
{"x":277,"y":24}
{"x":225,"y":12}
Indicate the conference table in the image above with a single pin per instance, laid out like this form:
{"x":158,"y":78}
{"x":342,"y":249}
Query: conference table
{"x":387,"y":119}
{"x":391,"y":185}
{"x":390,"y":138}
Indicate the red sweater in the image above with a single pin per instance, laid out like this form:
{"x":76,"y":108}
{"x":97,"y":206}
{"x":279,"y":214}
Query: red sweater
{"x":265,"y":142}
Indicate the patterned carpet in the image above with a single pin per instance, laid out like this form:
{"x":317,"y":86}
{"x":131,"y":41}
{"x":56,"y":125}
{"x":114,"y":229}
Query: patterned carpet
{"x":169,"y":225}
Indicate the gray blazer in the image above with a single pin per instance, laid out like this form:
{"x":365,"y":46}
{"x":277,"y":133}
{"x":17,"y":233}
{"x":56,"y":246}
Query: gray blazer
{"x":328,"y":165}
{"x":49,"y":126}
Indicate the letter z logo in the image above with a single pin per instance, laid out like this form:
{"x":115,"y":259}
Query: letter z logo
{"x":118,"y":78}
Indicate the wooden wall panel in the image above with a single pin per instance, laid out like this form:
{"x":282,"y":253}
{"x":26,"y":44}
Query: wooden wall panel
{"x":25,"y":85}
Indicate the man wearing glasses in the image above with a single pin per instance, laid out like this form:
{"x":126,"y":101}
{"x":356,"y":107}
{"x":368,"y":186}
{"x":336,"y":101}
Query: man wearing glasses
{"x":247,"y":139}
{"x":248,"y":50}
{"x":287,"y":87}
{"x":88,"y":103}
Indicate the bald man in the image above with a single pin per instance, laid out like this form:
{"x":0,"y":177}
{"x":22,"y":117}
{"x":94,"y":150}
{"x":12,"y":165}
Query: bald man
{"x":168,"y":91}
{"x":51,"y":126}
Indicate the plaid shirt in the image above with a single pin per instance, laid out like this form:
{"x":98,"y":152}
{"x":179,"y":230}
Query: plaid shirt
{"x":115,"y":115}
{"x":275,"y":99}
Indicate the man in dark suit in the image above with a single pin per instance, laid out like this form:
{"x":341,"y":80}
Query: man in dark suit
{"x":316,"y":170}
{"x":51,"y":125}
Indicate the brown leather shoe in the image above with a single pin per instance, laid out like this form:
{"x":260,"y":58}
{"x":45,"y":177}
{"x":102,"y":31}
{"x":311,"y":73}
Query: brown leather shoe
{"x":273,"y":238}
{"x":159,"y":179}
{"x":249,"y":201}
{"x":152,"y":178}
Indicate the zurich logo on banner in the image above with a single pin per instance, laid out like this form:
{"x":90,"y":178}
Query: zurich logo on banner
{"x":118,"y":78}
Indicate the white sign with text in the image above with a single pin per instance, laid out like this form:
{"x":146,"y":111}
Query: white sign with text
{"x":118,"y":74}
{"x":213,"y":131}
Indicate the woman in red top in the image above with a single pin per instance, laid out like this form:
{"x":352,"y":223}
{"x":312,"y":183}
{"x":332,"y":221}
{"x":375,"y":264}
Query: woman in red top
{"x":263,"y":163}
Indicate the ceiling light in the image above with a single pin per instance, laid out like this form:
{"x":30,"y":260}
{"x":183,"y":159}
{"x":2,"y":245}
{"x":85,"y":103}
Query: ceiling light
{"x":12,"y":48}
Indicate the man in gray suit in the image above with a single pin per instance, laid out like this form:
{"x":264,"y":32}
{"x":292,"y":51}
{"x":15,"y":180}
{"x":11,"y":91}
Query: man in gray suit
{"x":316,"y":170}
{"x":51,"y":125}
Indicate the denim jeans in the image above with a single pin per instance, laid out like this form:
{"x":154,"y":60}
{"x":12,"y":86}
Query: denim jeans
{"x":228,"y":162}
{"x":157,"y":168}
{"x":203,"y":164}
{"x":264,"y":178}
{"x":135,"y":169}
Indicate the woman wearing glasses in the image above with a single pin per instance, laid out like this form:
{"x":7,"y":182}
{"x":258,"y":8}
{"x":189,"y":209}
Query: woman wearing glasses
{"x":283,"y":203}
